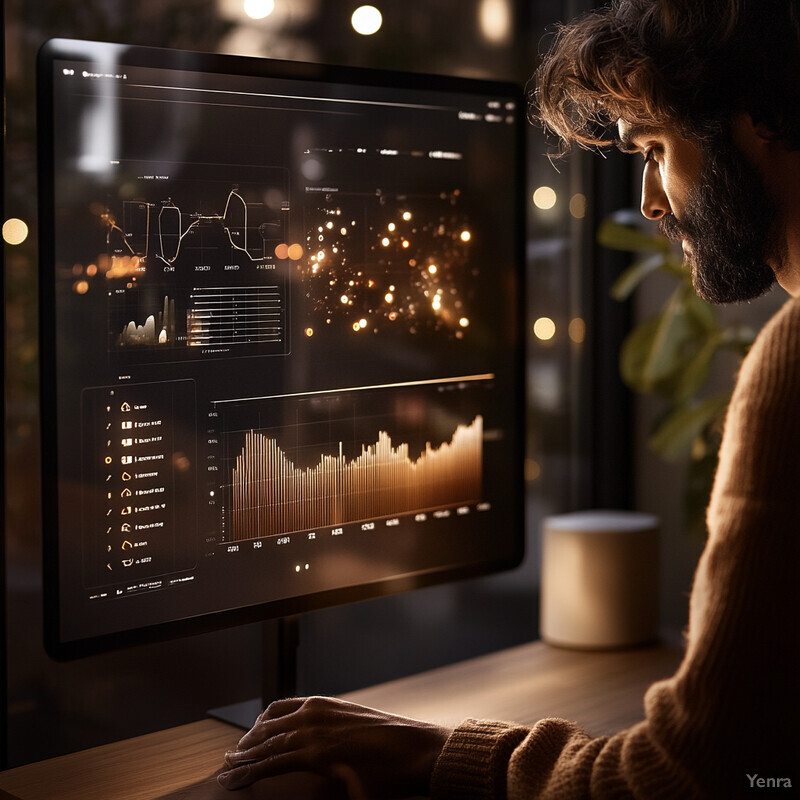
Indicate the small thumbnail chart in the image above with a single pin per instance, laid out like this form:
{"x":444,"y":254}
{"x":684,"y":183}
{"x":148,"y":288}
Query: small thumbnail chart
{"x":342,"y":458}
{"x":146,"y":321}
{"x":157,"y":329}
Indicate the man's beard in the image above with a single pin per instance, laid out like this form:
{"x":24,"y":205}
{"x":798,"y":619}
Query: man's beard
{"x":729,"y":225}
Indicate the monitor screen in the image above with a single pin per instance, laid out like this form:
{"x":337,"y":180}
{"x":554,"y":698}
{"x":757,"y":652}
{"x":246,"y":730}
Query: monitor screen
{"x":280,"y":337}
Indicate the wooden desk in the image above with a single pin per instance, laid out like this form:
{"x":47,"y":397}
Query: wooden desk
{"x":600,"y":690}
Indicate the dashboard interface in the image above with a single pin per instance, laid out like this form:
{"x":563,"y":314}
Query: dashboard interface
{"x":281,"y":356}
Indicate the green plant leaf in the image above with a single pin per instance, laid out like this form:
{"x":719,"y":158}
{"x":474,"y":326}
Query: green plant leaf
{"x":692,"y":377}
{"x":673,"y":437}
{"x":625,"y":284}
{"x":653,"y":351}
{"x":635,"y":352}
{"x":703,"y":313}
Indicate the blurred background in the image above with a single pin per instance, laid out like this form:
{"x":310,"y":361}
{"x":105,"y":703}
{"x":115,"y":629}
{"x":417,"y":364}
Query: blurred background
{"x":586,"y":441}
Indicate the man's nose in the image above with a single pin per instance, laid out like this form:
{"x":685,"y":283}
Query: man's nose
{"x":654,"y":200}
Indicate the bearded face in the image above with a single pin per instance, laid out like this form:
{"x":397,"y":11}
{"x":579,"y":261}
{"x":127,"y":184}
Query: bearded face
{"x":728,"y":227}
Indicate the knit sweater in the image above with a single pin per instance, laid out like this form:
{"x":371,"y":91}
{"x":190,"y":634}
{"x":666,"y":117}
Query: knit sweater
{"x":730,"y":710}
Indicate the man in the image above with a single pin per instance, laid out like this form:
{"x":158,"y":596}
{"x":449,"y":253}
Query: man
{"x":708,"y":92}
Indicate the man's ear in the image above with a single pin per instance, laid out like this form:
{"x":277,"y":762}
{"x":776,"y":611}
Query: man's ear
{"x":755,"y":139}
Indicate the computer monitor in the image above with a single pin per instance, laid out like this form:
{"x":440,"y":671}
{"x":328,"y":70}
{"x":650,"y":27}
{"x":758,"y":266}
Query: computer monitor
{"x":281,"y":337}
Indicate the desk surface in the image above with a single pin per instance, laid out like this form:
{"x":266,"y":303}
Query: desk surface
{"x":600,"y":690}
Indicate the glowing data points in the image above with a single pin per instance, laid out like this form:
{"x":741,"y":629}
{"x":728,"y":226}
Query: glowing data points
{"x":366,"y":20}
{"x":15,"y":231}
{"x":544,"y":198}
{"x":463,"y":322}
{"x":295,"y":252}
{"x":465,"y":236}
{"x":309,"y":332}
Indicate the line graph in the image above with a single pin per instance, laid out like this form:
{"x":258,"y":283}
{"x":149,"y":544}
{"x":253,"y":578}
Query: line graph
{"x":174,"y":216}
{"x":171,"y":226}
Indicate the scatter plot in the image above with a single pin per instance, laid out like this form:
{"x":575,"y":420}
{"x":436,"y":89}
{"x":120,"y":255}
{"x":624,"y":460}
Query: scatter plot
{"x":379,"y":262}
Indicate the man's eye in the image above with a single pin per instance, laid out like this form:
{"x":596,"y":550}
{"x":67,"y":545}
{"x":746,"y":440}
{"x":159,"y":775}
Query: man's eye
{"x":648,"y":154}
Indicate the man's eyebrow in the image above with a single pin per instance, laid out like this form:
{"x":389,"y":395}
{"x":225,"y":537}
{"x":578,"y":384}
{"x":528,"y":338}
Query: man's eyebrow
{"x":625,"y":142}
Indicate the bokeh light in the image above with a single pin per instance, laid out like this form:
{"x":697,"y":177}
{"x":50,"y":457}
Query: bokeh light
{"x":258,"y":9}
{"x":494,"y":18}
{"x":366,"y":20}
{"x":15,"y":231}
{"x":577,"y":330}
{"x":544,"y":198}
{"x":577,"y":205}
{"x":544,"y":329}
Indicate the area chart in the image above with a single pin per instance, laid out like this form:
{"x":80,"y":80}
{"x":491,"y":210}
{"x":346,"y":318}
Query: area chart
{"x":271,"y":496}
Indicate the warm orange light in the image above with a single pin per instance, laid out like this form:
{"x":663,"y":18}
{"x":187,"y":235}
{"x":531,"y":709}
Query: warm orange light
{"x":577,"y":205}
{"x":577,"y":330}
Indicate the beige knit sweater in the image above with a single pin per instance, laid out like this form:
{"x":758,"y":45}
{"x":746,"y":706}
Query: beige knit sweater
{"x":731,"y":709}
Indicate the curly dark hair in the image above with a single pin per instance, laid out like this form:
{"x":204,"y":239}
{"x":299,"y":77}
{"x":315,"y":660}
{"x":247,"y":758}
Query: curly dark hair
{"x":690,"y":64}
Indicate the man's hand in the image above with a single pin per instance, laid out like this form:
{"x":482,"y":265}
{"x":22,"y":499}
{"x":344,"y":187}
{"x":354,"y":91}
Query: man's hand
{"x":374,"y":754}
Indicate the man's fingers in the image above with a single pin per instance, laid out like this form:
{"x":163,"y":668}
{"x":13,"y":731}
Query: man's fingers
{"x":248,"y":773}
{"x":273,"y":745}
{"x":269,"y":723}
{"x":280,"y":708}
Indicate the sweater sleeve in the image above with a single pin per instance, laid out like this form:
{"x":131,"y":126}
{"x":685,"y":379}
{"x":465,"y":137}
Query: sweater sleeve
{"x":729,"y":710}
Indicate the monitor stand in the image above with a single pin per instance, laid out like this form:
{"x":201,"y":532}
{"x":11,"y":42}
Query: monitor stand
{"x":279,"y":642}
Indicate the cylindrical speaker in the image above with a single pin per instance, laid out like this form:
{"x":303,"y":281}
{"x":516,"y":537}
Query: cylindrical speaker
{"x":599,"y":579}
